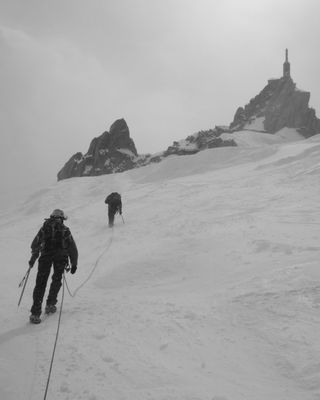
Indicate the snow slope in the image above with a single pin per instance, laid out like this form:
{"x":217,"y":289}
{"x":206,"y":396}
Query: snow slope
{"x":209,"y":291}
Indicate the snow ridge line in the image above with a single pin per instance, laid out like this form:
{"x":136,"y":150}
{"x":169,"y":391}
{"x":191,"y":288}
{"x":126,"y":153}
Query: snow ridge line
{"x":92,"y":271}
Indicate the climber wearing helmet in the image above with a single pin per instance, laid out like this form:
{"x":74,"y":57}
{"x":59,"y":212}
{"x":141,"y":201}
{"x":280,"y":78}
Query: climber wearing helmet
{"x":56,"y":246}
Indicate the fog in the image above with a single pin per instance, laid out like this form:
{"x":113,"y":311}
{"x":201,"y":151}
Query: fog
{"x":171,"y":68}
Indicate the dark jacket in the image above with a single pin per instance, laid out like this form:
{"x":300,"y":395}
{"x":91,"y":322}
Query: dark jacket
{"x":114,"y":202}
{"x":69,"y":248}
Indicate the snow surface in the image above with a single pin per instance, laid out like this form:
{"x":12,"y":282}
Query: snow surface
{"x":209,"y":291}
{"x":248,"y":138}
{"x":127,"y":152}
{"x":257,"y":124}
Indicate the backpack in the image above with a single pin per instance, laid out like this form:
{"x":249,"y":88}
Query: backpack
{"x":53,"y":235}
{"x":113,"y":198}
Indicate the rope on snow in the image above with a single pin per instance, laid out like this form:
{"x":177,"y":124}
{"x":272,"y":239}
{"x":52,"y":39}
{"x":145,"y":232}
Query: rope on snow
{"x":62,"y":299}
{"x":91,"y":272}
{"x":55,"y":343}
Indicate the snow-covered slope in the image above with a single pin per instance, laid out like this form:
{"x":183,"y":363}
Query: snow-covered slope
{"x":209,"y":291}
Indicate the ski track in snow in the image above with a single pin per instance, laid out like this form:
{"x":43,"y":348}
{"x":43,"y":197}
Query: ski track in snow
{"x":209,"y":291}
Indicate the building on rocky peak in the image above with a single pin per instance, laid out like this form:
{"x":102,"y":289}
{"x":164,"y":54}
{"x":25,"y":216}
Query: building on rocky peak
{"x":280,"y":104}
{"x":286,"y":67}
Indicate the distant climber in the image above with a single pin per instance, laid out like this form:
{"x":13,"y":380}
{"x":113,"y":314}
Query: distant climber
{"x":114,"y":205}
{"x":56,"y":246}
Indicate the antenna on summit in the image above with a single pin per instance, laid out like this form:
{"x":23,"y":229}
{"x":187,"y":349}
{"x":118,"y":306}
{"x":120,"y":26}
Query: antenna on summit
{"x":286,"y":67}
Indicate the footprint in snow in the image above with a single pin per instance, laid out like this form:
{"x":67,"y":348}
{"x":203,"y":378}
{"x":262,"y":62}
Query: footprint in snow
{"x":108,"y":359}
{"x":219,"y":398}
{"x":64,"y":388}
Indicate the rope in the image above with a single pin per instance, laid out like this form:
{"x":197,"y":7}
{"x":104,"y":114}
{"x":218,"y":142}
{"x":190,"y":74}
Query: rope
{"x":91,"y":272}
{"x":72,"y":295}
{"x":55,"y":343}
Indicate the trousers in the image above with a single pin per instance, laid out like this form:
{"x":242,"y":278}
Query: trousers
{"x":46,"y":261}
{"x":111,"y":213}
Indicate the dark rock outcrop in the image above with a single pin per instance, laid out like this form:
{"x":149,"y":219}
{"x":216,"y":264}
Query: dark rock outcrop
{"x":201,"y":140}
{"x":111,"y":152}
{"x":281,"y":105}
{"x":115,"y":151}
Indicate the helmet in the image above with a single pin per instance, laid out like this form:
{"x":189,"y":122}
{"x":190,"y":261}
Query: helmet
{"x":58,"y":214}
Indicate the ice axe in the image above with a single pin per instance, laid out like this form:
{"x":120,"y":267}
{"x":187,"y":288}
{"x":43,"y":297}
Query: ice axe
{"x":23,"y":283}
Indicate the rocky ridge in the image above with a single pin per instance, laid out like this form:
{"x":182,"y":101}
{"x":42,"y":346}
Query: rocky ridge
{"x":115,"y":151}
{"x":111,"y":152}
{"x":280,"y":104}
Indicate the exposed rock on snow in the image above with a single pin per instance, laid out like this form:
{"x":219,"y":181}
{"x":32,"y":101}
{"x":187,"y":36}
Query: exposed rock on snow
{"x":116,"y":152}
{"x":111,"y":152}
{"x":209,"y":291}
{"x":280,"y":104}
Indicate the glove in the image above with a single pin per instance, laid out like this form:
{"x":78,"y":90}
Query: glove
{"x":73,"y":269}
{"x":32,"y":260}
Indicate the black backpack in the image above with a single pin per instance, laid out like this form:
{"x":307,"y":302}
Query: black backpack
{"x":53,"y":234}
{"x":113,"y":198}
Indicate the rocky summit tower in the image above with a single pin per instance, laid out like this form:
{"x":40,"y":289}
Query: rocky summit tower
{"x":279,"y":105}
{"x":286,"y":67}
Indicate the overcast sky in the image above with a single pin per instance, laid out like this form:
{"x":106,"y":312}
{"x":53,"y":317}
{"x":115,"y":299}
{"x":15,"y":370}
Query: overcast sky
{"x":70,"y":68}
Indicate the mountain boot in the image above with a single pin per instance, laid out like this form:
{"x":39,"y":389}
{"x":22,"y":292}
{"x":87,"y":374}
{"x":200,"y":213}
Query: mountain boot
{"x":50,"y":309}
{"x":35,"y":319}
